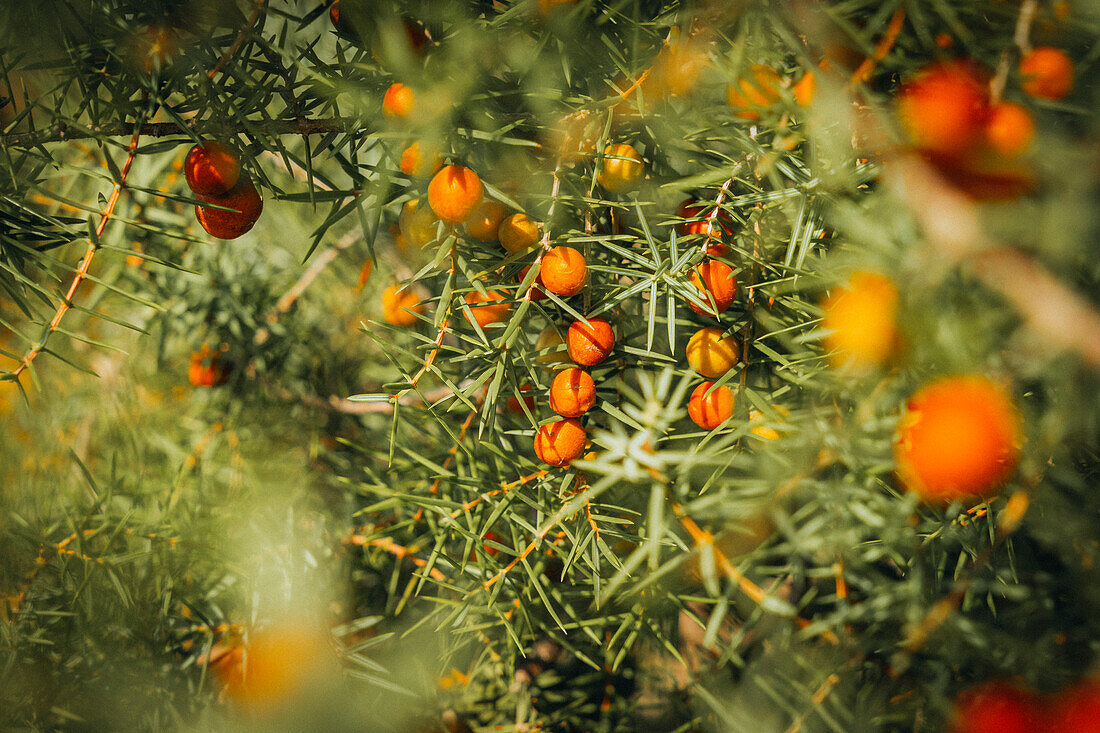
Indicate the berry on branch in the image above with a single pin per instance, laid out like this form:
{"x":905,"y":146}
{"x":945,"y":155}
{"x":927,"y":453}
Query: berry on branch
{"x":708,"y":411}
{"x":561,"y":442}
{"x":454,"y":193}
{"x":590,"y":343}
{"x":563,"y":271}
{"x":572,"y":393}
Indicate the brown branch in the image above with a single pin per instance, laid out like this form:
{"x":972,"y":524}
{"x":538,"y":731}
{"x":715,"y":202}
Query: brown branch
{"x":64,"y":133}
{"x":256,"y":8}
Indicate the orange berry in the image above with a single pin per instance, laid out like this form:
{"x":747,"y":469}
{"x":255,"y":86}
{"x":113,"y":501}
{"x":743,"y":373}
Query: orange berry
{"x":943,"y":108}
{"x":710,"y":354}
{"x":488,"y":308}
{"x":572,"y":393}
{"x":398,"y":101}
{"x":710,"y":411}
{"x":716,"y":281}
{"x":559,"y":443}
{"x":1009,"y":129}
{"x":805,"y":88}
{"x":563,"y":271}
{"x":279,"y":663}
{"x":622,"y":168}
{"x":720,"y":226}
{"x":247,"y":206}
{"x":454,"y":193}
{"x":764,"y":431}
{"x":958,"y":439}
{"x":517,"y":233}
{"x":417,"y":223}
{"x":396,"y":304}
{"x":589,"y":343}
{"x":762,"y":90}
{"x":485,"y":221}
{"x":679,"y":66}
{"x":207,"y":369}
{"x":418,"y":162}
{"x":211,"y":168}
{"x":1046,"y":73}
{"x":863,"y":319}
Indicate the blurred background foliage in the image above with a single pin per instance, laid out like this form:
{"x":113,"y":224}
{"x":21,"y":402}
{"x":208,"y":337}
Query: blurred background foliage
{"x":417,"y":568}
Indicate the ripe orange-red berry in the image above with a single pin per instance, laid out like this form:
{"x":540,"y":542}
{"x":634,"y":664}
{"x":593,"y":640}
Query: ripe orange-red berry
{"x":1009,"y":129}
{"x":397,"y":304}
{"x":589,"y":343}
{"x":560,"y":443}
{"x":711,"y":354}
{"x":761,"y":89}
{"x":943,"y":108}
{"x":211,"y":168}
{"x":572,"y":393}
{"x":517,"y":233}
{"x":710,"y":411}
{"x":246,"y":203}
{"x":420,"y":161}
{"x":958,"y":439}
{"x":1046,"y":73}
{"x":805,"y":88}
{"x":485,"y":221}
{"x":207,"y":369}
{"x":563,"y":271}
{"x":998,"y":707}
{"x":454,"y":193}
{"x":862,"y":318}
{"x":398,"y":101}
{"x":717,"y":283}
{"x":278,"y":664}
{"x":622,"y":168}
{"x":720,"y":226}
{"x":488,"y":308}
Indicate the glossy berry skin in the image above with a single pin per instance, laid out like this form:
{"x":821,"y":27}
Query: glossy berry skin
{"x":398,"y":101}
{"x":959,"y":438}
{"x":211,"y":168}
{"x":589,"y":343}
{"x":862,"y":320}
{"x":1046,"y":73}
{"x":622,"y":168}
{"x":563,"y":271}
{"x":518,"y":233}
{"x":244,"y":198}
{"x":396,"y":304}
{"x":710,"y":354}
{"x":485,"y":221}
{"x":1009,"y":129}
{"x":943,"y":109}
{"x":572,"y":393}
{"x":998,"y":707}
{"x":488,"y":308}
{"x":560,"y":443}
{"x":455,"y":193}
{"x":716,"y":283}
{"x":760,"y":88}
{"x":710,"y":411}
{"x":721,"y":227}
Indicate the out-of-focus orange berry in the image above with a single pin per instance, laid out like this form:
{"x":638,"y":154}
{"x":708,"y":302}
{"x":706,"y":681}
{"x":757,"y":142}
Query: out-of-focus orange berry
{"x":1046,"y":73}
{"x":862,"y":319}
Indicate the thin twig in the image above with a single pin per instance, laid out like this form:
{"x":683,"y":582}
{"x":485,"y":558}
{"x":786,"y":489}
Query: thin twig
{"x":1022,"y":40}
{"x":86,"y":261}
{"x":882,"y":48}
{"x":256,"y":8}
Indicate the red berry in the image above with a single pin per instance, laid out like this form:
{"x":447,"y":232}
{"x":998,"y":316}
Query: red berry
{"x":246,"y":201}
{"x":211,"y":168}
{"x":996,"y":707}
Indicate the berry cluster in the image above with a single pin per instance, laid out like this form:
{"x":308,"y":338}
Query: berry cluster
{"x":213,"y":172}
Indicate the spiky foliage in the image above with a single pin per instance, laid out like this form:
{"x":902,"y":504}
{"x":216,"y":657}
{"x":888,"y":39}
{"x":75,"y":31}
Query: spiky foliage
{"x":772,"y":574}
